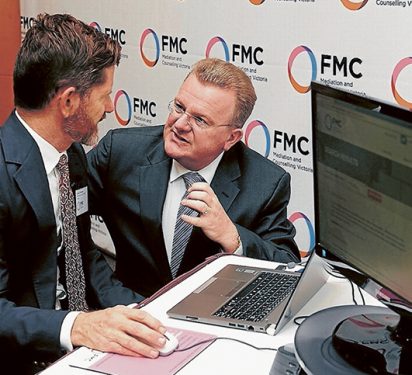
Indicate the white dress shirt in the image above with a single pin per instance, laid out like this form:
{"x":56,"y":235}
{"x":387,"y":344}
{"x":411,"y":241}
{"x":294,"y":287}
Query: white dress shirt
{"x":50,"y":158}
{"x":175,"y":191}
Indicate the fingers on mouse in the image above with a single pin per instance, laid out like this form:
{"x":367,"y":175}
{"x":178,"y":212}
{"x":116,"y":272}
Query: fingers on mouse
{"x":171,"y":345}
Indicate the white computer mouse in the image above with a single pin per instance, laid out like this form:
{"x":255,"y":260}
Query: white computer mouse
{"x":171,"y":344}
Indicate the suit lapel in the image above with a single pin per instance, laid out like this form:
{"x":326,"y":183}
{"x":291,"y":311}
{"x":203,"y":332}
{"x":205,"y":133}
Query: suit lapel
{"x":31,"y":178}
{"x":76,"y":168}
{"x":224,"y":184}
{"x":154,"y":182}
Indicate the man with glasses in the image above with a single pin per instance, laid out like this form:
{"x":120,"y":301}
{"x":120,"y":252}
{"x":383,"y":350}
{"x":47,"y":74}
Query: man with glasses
{"x":236,"y":203}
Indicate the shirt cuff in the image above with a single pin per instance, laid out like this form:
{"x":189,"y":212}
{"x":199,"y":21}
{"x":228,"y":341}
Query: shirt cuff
{"x":239,"y":250}
{"x":66,"y":330}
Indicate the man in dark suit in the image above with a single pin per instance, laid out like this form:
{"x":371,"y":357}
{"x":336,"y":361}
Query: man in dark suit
{"x":62,"y":81}
{"x":136,"y":184}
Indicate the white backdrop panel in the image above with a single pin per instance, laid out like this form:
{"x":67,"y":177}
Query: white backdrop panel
{"x":359,"y":45}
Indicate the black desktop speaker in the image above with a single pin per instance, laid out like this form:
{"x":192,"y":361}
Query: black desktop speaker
{"x":285,"y":362}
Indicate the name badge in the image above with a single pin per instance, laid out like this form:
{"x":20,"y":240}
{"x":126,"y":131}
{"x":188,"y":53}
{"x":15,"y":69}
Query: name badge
{"x":82,"y":204}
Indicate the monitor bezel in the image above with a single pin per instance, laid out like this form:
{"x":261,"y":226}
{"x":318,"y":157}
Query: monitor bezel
{"x":353,"y":273}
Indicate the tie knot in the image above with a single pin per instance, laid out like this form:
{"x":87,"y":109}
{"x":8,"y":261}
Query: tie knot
{"x":191,"y":177}
{"x":62,"y":165}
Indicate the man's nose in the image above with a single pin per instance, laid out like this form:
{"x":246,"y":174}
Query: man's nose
{"x":109,"y":106}
{"x":182,"y":123}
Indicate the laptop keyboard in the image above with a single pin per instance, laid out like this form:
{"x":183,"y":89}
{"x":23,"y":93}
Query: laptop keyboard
{"x":260,"y":297}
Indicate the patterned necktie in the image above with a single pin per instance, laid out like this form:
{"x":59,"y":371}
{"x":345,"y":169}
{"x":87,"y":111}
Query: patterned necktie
{"x":182,"y":229}
{"x":75,"y":282}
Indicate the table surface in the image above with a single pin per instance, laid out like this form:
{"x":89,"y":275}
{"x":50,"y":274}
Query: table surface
{"x":225,"y":356}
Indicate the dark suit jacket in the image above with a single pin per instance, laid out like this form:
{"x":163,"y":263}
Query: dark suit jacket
{"x":129,"y":173}
{"x":29,"y":325}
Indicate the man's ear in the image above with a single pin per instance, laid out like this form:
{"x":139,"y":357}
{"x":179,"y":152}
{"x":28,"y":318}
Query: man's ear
{"x":69,"y":101}
{"x":234,"y":137}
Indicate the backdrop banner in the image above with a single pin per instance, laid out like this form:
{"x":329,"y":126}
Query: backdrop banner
{"x":359,"y":45}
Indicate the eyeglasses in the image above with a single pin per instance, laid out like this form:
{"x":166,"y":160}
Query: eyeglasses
{"x":178,"y":111}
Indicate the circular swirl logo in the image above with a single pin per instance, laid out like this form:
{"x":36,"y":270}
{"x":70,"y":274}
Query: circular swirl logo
{"x":150,"y":62}
{"x":122,"y":121}
{"x":213,"y":41}
{"x":297,"y":51}
{"x":311,"y":232}
{"x":354,"y":5}
{"x":258,"y":124}
{"x":96,"y":26}
{"x":398,"y":68}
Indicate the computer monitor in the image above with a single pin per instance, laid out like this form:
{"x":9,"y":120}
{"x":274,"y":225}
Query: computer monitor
{"x":363,"y":217}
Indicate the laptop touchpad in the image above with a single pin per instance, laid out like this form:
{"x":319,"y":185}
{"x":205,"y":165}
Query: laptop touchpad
{"x":220,"y":287}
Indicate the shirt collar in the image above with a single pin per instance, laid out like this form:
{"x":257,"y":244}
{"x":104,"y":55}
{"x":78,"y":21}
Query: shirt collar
{"x":207,"y":172}
{"x":49,"y":154}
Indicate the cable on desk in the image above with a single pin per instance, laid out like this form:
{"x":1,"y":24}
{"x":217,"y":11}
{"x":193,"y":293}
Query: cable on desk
{"x":222,"y":338}
{"x":335,"y":274}
{"x":338,"y":275}
{"x":361,"y":294}
{"x":89,"y":369}
{"x":353,"y":292}
{"x":297,"y":319}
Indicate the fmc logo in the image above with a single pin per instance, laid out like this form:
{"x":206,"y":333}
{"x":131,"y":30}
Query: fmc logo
{"x":96,"y":26}
{"x":121,"y":94}
{"x":297,"y":51}
{"x":298,"y":217}
{"x":256,"y":124}
{"x":115,"y":34}
{"x":26,"y":22}
{"x":354,"y":5}
{"x":337,"y":66}
{"x":220,"y":41}
{"x":150,"y":62}
{"x":291,"y":143}
{"x":124,"y":107}
{"x":236,"y":53}
{"x":169,"y":44}
{"x":398,"y":68}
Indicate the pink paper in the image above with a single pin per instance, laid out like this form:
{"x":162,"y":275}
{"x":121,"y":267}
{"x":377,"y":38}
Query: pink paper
{"x":115,"y":364}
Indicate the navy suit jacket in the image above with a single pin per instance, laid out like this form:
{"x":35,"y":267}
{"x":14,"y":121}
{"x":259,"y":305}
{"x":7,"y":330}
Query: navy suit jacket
{"x":128,"y":179}
{"x":29,"y":325}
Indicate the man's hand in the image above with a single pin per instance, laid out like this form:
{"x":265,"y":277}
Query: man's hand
{"x":212,"y":218}
{"x":120,"y":330}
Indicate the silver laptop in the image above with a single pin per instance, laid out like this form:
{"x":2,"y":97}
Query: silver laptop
{"x":252,"y":298}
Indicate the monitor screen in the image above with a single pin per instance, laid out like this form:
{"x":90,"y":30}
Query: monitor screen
{"x":363,"y":216}
{"x":363,"y":185}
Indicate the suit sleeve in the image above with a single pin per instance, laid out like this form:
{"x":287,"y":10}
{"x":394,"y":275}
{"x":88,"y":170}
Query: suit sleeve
{"x":104,"y":289}
{"x":98,"y":161}
{"x":22,"y":329}
{"x":271,"y":236}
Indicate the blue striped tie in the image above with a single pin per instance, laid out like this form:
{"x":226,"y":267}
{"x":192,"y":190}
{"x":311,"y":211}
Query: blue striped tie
{"x":182,"y":229}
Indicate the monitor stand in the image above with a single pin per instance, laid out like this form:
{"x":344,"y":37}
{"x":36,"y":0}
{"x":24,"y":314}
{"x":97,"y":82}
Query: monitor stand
{"x":317,"y":344}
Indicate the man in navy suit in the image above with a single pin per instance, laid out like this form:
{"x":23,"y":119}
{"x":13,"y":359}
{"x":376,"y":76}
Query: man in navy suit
{"x":136,"y":183}
{"x":62,"y":83}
